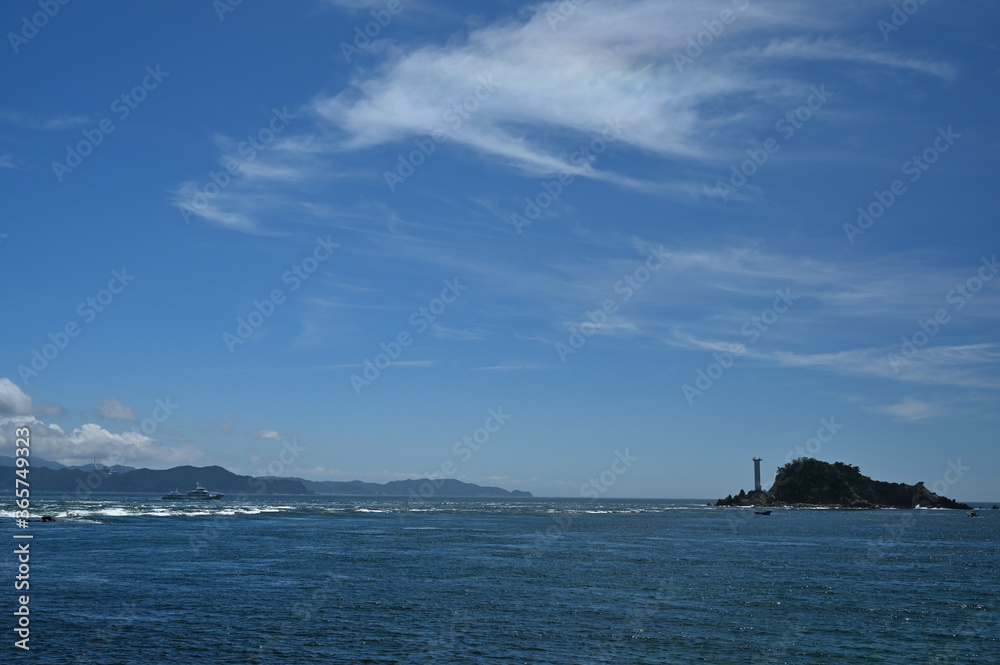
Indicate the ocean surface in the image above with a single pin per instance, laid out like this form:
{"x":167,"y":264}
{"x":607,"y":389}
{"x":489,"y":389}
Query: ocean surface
{"x":130,"y":579}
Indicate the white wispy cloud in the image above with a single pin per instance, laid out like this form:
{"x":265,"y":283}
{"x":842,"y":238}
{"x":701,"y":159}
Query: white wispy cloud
{"x":356,"y":4}
{"x":546,"y":89}
{"x":606,"y":61}
{"x":394,"y":363}
{"x":457,"y":334}
{"x":800,"y":48}
{"x":113,"y":409}
{"x":320,"y":473}
{"x":911,"y":410}
{"x":962,"y":366}
{"x":50,"y":123}
{"x":226,"y":426}
{"x":573,"y":79}
{"x":219,"y":209}
{"x":266,"y":434}
{"x":514,"y":367}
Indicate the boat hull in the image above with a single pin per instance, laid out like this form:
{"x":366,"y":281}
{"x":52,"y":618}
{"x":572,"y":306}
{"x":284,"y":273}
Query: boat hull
{"x":214,"y":497}
{"x":199,"y":493}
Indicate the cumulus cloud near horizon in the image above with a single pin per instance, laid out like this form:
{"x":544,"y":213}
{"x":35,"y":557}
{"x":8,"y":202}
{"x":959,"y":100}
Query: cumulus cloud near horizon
{"x":16,"y":402}
{"x":13,"y":400}
{"x":90,"y":441}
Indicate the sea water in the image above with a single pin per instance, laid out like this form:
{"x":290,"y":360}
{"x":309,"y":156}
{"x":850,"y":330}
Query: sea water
{"x":128,"y":579}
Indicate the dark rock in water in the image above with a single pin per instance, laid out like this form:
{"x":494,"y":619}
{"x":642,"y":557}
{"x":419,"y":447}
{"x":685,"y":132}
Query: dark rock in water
{"x":752,"y":498}
{"x":49,"y":518}
{"x":810,"y":482}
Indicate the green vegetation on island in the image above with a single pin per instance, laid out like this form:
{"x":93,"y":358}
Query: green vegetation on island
{"x":810,"y":482}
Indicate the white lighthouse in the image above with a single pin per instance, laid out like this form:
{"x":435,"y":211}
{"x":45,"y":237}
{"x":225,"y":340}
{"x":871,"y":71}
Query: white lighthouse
{"x":756,"y":474}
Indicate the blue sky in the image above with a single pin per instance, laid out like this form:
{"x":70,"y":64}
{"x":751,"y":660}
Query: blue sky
{"x":675,"y":235}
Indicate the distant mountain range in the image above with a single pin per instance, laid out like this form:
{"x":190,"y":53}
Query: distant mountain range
{"x":421,"y":487}
{"x":6,"y":460}
{"x":82,"y":483}
{"x":48,"y":476}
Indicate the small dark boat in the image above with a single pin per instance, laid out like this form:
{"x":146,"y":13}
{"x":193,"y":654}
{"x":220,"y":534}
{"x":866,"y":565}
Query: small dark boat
{"x":762,"y":512}
{"x":972,"y":513}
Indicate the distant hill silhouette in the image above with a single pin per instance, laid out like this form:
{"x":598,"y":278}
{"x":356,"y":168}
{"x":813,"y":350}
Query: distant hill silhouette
{"x":422,"y":487}
{"x":96,"y":466}
{"x":810,"y":482}
{"x":183,"y":478}
{"x":7,"y":460}
{"x":46,"y":476}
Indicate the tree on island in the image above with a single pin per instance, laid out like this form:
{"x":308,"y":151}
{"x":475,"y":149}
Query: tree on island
{"x":810,"y":482}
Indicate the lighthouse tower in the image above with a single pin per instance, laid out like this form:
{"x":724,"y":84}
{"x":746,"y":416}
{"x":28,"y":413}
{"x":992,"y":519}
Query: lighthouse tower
{"x":756,"y":474}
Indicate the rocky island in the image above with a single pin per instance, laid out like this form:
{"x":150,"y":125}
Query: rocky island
{"x":807,"y":482}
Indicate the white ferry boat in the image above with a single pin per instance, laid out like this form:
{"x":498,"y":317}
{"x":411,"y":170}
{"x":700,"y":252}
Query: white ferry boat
{"x":199,"y":493}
